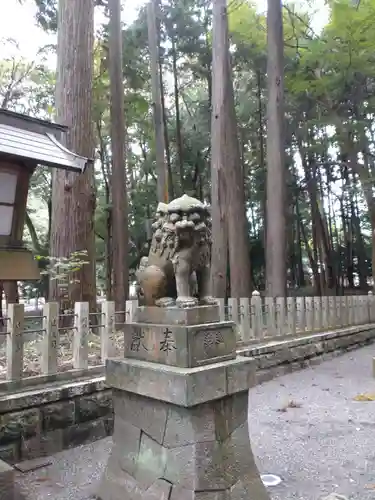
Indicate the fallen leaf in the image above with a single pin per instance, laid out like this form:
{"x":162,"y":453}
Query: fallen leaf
{"x":365,"y":397}
{"x":290,"y":404}
{"x":294,"y":404}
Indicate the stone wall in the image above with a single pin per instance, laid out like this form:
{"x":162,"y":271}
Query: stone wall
{"x":46,"y":420}
{"x":42,"y":422}
{"x":280,"y":358}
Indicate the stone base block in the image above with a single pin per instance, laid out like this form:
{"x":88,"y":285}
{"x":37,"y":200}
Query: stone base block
{"x":181,"y":386}
{"x":6,"y":481}
{"x":373,"y":367}
{"x":177,"y":316}
{"x":180,"y":345}
{"x":162,"y":451}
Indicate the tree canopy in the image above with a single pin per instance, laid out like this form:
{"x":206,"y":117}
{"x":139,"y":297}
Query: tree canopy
{"x":329,"y":131}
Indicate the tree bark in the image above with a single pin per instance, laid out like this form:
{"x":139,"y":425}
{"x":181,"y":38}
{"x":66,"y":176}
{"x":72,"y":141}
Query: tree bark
{"x":162,"y":174}
{"x":180,"y":158}
{"x":219,"y":259}
{"x":262,"y":163}
{"x":275,"y":205}
{"x":166,"y":135}
{"x":106,"y":173}
{"x":118,"y":184}
{"x":224,"y":116}
{"x":73,"y":196}
{"x":238,"y":227}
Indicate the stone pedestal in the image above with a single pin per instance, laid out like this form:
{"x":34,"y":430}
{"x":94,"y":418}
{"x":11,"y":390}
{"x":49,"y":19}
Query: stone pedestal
{"x":7,"y":491}
{"x":181,"y":432}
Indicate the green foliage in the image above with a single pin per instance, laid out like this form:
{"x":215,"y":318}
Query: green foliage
{"x":329,"y":107}
{"x":46,"y":15}
{"x":63,"y":270}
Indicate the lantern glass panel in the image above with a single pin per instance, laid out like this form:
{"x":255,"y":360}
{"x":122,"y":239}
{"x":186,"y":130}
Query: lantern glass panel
{"x":6,"y":219}
{"x":8,"y":185}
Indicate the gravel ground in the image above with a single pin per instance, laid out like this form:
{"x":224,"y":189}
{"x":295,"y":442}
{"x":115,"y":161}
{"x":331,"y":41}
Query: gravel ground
{"x":305,"y":427}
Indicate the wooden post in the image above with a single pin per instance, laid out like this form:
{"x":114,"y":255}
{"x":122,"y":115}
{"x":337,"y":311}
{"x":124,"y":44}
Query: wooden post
{"x":108,"y":348}
{"x":309,"y":308}
{"x":257,"y":321}
{"x":14,"y":349}
{"x":233,"y":310}
{"x":317,"y":306}
{"x":363,"y":304}
{"x":80,"y":337}
{"x":291,"y":314}
{"x":131,"y":306}
{"x":325,"y":320}
{"x":280,"y":316}
{"x":361,"y":310}
{"x":332,"y":312}
{"x":245,"y":314}
{"x":270,"y":317}
{"x":301,"y":314}
{"x":355,"y":310}
{"x":344,"y":311}
{"x":50,"y":342}
{"x":349,"y":302}
{"x":221,"y":303}
{"x":338,"y":313}
{"x":366,"y":302}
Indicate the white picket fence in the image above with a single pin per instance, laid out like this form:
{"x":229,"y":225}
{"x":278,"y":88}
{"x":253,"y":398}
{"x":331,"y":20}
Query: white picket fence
{"x":91,"y":338}
{"x":261,"y":319}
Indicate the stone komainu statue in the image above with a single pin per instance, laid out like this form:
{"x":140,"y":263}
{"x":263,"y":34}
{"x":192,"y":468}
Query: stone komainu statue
{"x":179,"y":258}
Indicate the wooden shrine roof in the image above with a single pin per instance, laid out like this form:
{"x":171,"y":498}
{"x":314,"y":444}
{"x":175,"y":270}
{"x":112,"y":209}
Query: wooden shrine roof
{"x":26,"y":138}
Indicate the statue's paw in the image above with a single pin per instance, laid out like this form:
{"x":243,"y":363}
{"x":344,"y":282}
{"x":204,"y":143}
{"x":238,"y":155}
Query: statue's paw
{"x":185,"y":302}
{"x":208,"y":301}
{"x":165,"y":302}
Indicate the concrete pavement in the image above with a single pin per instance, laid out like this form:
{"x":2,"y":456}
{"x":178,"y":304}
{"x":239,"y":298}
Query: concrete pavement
{"x":305,"y":427}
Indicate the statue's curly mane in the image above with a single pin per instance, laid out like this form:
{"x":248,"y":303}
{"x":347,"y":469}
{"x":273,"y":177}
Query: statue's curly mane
{"x":166,"y":244}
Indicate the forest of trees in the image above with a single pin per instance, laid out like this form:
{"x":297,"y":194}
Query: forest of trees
{"x":260,"y":115}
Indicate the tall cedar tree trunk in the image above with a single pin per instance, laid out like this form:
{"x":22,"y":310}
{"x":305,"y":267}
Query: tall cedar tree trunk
{"x":234,"y":195}
{"x":163,"y":109}
{"x":262,"y":163}
{"x":161,"y":168}
{"x":73,"y":196}
{"x":118,"y":184}
{"x":219,"y":258}
{"x":165,"y":127}
{"x":365,"y":177}
{"x":238,"y":227}
{"x":106,"y":169}
{"x":178,"y":119}
{"x":276,"y":175}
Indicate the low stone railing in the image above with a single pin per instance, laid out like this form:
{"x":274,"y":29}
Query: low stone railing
{"x":41,"y":418}
{"x":53,"y":347}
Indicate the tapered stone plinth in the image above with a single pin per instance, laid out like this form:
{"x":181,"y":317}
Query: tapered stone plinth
{"x":180,"y":432}
{"x":7,"y":490}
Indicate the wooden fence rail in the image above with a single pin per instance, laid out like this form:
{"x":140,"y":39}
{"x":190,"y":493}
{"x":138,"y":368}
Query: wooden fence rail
{"x":258,"y":319}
